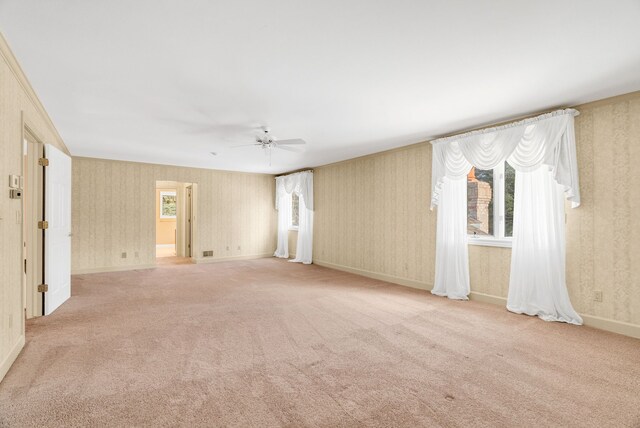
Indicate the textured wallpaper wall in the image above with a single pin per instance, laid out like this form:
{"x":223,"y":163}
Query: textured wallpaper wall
{"x":16,"y":99}
{"x":114,"y":212}
{"x":372,"y":215}
{"x":603,"y":235}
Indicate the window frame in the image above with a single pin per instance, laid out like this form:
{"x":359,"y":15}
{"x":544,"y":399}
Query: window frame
{"x":498,"y":195}
{"x":291,"y":225}
{"x":168,"y":193}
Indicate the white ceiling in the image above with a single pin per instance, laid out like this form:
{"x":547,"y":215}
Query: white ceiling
{"x":170,"y":81}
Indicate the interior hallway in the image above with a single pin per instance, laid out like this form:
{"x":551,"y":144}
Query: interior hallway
{"x":271,"y":343}
{"x":175,"y":260}
{"x":164,"y":250}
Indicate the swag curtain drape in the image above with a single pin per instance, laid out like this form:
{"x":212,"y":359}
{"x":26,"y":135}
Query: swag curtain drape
{"x":300,"y":183}
{"x":542,"y":151}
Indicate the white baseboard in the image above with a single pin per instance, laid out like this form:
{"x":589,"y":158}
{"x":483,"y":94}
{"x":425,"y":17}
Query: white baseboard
{"x":231,"y":258}
{"x":607,"y":324}
{"x":154,"y":265}
{"x":488,"y":298}
{"x":11,"y":357}
{"x":613,"y":326}
{"x":112,"y":269}
{"x":376,"y":275}
{"x":620,"y":327}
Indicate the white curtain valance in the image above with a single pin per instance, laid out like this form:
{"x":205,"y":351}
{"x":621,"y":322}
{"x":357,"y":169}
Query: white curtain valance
{"x":300,"y":183}
{"x":548,"y":140}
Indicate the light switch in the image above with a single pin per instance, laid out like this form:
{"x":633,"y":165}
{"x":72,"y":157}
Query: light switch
{"x":14,"y":181}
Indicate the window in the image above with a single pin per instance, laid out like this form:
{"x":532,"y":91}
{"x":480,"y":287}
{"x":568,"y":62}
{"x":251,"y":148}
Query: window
{"x":167,"y":204}
{"x":490,"y":205}
{"x":295,"y":211}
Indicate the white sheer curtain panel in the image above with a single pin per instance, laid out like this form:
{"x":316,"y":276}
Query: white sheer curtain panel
{"x":545,"y":142}
{"x":300,"y":183}
{"x":304,"y":248}
{"x":283,"y":200}
{"x":537,"y":283}
{"x":452,"y":260}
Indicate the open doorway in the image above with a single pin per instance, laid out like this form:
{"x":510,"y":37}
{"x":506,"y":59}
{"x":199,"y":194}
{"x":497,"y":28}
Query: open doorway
{"x":175,"y":222}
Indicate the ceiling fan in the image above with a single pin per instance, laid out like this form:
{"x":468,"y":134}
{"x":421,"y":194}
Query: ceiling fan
{"x":268,"y":142}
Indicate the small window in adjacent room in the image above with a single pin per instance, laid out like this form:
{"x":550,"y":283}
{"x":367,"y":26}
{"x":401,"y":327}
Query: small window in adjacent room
{"x":168,"y":205}
{"x":490,"y":206}
{"x":295,"y":211}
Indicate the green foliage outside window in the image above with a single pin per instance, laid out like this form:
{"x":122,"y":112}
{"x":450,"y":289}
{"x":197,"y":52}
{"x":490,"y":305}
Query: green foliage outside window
{"x":168,"y":206}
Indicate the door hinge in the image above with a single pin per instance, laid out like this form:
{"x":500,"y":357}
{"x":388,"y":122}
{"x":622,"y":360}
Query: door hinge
{"x":43,"y":288}
{"x":43,"y":225}
{"x":43,"y":162}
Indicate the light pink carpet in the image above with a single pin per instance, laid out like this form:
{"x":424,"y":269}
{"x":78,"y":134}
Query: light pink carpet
{"x":270,"y":343}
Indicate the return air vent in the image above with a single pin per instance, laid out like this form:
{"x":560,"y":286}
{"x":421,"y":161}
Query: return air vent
{"x":208,"y":253}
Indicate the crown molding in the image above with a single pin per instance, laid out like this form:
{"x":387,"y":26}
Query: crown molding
{"x":14,"y":66}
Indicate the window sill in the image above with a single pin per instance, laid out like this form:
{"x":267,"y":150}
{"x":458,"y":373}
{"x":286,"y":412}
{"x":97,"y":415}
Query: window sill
{"x":293,"y":228}
{"x":490,"y":241}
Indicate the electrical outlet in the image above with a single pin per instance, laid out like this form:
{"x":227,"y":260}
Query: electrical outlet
{"x":227,"y":248}
{"x":597,"y":296}
{"x":123,"y":255}
{"x":14,"y":181}
{"x":238,"y":247}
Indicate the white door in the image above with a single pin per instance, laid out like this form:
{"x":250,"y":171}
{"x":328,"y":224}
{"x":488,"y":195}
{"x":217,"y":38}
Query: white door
{"x":57,"y":237}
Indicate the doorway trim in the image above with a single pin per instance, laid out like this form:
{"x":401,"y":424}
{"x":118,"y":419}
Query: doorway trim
{"x":32,"y":237}
{"x":186,"y":218}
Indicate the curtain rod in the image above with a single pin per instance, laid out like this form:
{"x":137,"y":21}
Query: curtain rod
{"x":294,"y":172}
{"x":505,"y":125}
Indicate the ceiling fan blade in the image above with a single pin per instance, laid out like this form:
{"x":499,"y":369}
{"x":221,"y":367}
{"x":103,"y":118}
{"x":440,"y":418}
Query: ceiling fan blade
{"x":291,"y":142}
{"x":245,"y":145}
{"x":289,"y":149}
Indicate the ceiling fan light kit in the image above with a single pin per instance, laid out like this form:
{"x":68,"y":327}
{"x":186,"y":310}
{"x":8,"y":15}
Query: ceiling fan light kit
{"x":268,"y":142}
